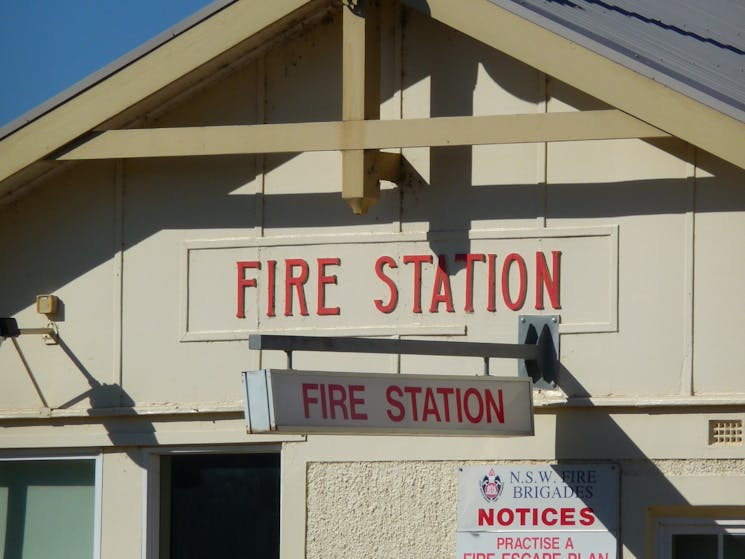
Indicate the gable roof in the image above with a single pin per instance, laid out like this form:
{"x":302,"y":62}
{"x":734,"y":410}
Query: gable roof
{"x":125,"y":60}
{"x":654,"y":65}
{"x":143,"y":80}
{"x":694,"y":47}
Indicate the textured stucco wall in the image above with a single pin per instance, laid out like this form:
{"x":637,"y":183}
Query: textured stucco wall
{"x":381,"y":509}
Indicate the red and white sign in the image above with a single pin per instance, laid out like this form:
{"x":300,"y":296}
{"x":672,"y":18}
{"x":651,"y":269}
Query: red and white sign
{"x":298,"y":401}
{"x":405,"y":284}
{"x":537,"y":512}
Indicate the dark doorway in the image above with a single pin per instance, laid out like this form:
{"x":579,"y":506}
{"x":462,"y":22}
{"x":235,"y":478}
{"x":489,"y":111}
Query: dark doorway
{"x":220,"y":505}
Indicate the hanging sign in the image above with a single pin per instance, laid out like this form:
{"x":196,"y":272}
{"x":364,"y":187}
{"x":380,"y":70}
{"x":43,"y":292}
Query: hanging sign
{"x":537,"y":512}
{"x":298,"y":402}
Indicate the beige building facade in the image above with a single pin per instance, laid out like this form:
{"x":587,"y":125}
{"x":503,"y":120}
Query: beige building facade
{"x":297,"y":168}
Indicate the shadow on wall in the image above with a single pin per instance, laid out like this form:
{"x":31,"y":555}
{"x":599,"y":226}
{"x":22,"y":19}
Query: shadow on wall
{"x":48,"y":263}
{"x":452,"y":62}
{"x":55,"y":235}
{"x":592,"y":435}
{"x":101,"y":396}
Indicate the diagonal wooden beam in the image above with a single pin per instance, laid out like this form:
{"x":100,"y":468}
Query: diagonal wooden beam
{"x":362,"y":135}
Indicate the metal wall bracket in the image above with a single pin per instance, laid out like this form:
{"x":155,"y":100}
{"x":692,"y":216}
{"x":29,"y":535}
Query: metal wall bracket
{"x":543,"y":331}
{"x":537,"y":351}
{"x":9,"y":329}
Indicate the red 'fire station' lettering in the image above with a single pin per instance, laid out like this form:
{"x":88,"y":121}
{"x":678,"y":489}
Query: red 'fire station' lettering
{"x":550,"y":281}
{"x":297,"y":277}
{"x":323,"y":279}
{"x":417,"y":260}
{"x":470,"y":259}
{"x":486,"y":276}
{"x":272,"y":275}
{"x":517,"y":303}
{"x":393,"y":297}
{"x":334,"y":401}
{"x":243,"y":283}
{"x":442,"y":292}
{"x":434,"y":405}
{"x":513,"y":273}
{"x":298,"y":282}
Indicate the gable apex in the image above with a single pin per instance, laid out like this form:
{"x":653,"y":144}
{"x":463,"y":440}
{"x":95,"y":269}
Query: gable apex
{"x":538,"y":33}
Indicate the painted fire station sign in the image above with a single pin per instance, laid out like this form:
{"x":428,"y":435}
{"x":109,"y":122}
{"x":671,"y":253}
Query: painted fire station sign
{"x":537,"y":512}
{"x":301,"y":401}
{"x":405,"y":283}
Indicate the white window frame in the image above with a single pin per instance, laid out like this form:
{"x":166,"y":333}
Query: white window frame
{"x":97,"y":458}
{"x":668,"y":527}
{"x":151,"y":484}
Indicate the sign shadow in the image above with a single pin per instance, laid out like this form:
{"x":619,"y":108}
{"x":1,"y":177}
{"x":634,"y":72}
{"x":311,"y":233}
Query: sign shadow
{"x":589,"y":433}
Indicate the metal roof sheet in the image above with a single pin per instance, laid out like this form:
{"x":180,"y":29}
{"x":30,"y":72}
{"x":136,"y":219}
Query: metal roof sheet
{"x":694,"y":47}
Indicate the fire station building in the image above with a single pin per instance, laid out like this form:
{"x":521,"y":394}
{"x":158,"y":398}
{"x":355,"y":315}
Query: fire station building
{"x":415,"y":185}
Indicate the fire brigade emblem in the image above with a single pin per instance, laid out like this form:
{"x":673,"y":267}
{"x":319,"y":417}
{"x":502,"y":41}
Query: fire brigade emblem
{"x":491,"y":486}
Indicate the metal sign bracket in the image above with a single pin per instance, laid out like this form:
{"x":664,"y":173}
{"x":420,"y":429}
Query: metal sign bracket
{"x":537,"y":351}
{"x":543,"y":332}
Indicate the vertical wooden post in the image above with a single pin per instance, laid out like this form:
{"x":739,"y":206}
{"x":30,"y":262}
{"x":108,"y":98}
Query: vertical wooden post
{"x":360,"y":98}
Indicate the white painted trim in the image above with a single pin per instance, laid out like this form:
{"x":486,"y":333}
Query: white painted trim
{"x":543,"y":399}
{"x":150,"y":502}
{"x":30,"y":455}
{"x":689,"y":275}
{"x":412,"y":236}
{"x":392,"y":330}
{"x":98,"y":506}
{"x":118,"y":272}
{"x":557,"y":399}
{"x":271,"y":446}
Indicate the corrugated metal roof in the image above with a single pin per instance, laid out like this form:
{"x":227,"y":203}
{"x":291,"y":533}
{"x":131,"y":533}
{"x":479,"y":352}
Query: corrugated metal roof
{"x":696,"y":47}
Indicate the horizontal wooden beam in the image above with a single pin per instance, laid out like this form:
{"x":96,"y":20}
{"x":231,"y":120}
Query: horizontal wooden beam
{"x":363,"y":134}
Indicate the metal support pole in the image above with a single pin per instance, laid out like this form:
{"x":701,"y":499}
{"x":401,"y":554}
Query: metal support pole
{"x":45,"y":331}
{"x":538,"y":357}
{"x":404,"y":347}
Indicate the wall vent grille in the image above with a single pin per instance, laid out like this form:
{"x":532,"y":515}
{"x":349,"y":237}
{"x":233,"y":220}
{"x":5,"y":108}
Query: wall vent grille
{"x":725,"y":432}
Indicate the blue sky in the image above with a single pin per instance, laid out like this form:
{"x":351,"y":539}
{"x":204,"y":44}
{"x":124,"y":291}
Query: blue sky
{"x":48,"y":45}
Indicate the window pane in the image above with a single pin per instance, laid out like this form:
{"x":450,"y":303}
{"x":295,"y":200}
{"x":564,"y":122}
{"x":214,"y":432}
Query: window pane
{"x":734,"y":546}
{"x":224,"y":506}
{"x":694,"y":546}
{"x":47,"y":509}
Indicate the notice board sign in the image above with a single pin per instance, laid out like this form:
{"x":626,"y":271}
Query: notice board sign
{"x":537,"y":512}
{"x":331,"y":402}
